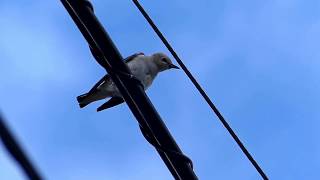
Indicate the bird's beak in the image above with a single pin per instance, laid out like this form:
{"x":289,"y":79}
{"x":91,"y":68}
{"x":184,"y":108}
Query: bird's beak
{"x":172,"y":66}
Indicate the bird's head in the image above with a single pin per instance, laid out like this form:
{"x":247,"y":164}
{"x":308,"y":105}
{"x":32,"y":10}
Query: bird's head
{"x":163,"y":62}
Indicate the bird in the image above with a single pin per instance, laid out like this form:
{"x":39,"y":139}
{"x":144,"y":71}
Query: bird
{"x":144,"y":68}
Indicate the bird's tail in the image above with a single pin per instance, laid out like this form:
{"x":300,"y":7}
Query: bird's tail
{"x":82,"y":100}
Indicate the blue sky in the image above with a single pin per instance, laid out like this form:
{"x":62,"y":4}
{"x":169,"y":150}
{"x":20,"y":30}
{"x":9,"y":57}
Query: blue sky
{"x":257,"y":60}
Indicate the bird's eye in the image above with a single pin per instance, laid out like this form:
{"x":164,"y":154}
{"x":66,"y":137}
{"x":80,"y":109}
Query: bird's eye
{"x":164,"y":60}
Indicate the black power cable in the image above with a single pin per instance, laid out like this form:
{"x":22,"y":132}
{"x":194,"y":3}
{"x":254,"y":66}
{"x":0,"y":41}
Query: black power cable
{"x":154,"y":129}
{"x":16,"y":152}
{"x":201,"y":91}
{"x":147,"y":134}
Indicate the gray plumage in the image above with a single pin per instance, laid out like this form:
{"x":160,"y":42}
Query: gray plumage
{"x":144,"y":68}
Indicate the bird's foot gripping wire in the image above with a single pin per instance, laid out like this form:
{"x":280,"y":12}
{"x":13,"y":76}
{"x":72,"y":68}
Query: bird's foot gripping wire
{"x":168,"y":151}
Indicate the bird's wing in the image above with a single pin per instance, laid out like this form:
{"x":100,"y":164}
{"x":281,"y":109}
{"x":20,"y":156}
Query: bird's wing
{"x":106,"y":78}
{"x":130,"y":58}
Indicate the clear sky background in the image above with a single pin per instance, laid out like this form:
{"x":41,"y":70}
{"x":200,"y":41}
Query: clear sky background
{"x":258,"y":60}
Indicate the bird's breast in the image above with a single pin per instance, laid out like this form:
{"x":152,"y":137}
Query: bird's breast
{"x":148,"y":81}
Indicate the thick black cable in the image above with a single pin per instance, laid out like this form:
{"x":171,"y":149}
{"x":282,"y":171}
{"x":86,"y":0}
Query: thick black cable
{"x":151,"y":139}
{"x":147,"y":134}
{"x":82,"y":13}
{"x":16,"y":152}
{"x":201,"y":91}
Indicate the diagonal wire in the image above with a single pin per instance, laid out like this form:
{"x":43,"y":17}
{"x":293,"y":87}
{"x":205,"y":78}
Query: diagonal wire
{"x":201,"y":91}
{"x":17,"y":153}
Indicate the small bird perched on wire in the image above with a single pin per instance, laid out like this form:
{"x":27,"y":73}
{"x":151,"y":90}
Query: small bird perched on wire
{"x":144,"y":68}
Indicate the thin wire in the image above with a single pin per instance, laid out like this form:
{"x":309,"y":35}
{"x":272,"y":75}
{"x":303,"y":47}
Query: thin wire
{"x":17,"y":153}
{"x":201,"y":91}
